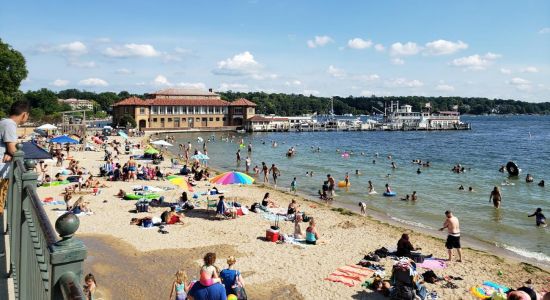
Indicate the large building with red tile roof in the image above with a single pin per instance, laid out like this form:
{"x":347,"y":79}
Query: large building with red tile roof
{"x":182,"y":109}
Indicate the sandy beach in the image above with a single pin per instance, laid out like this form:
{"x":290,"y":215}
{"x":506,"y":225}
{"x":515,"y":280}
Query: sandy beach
{"x":136,"y":263}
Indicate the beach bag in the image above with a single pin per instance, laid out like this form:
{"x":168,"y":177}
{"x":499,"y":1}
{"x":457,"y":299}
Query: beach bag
{"x":402,"y":292}
{"x":238,"y":290}
{"x":430,"y":277}
{"x":382,"y":252}
{"x":305,"y":218}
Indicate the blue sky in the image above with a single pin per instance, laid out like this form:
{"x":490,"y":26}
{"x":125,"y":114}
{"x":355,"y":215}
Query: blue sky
{"x":465,"y":48}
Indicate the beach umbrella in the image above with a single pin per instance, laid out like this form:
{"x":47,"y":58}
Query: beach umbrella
{"x":47,"y":127}
{"x":123,"y":134}
{"x":181,"y":182}
{"x":151,"y":151}
{"x":232,"y":178}
{"x":162,"y":143}
{"x":63,"y":139}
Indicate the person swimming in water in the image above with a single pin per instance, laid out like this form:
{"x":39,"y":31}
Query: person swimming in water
{"x":413,"y":196}
{"x":407,"y":198}
{"x":388,"y":189}
{"x":371,"y":188}
{"x":539,"y":217}
{"x":461,"y":188}
{"x":357,"y":172}
{"x":418,"y":171}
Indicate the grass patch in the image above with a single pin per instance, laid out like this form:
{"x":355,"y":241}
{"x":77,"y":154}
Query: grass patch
{"x":343,"y":211}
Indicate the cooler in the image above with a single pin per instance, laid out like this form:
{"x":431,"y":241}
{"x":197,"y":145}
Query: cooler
{"x":272,"y":235}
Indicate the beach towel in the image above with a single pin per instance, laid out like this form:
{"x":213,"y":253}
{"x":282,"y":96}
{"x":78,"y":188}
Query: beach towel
{"x":58,"y":202}
{"x":350,"y":275}
{"x":487,"y":290}
{"x":433,"y":264}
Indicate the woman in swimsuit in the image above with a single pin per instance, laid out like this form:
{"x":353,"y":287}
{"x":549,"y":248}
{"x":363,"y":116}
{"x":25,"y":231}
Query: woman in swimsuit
{"x":496,"y":197}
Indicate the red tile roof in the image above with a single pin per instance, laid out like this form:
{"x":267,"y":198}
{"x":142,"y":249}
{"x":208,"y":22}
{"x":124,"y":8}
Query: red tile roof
{"x":183,"y":92}
{"x":242,"y":102}
{"x":132,"y":101}
{"x":265,"y":119}
{"x":203,"y":102}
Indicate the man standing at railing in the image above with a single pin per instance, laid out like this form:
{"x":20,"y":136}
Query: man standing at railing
{"x":19,"y":114}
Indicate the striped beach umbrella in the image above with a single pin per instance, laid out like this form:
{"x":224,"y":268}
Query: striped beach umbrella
{"x":232,"y":178}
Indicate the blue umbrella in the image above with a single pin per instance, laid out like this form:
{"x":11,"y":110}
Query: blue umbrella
{"x":63,"y":139}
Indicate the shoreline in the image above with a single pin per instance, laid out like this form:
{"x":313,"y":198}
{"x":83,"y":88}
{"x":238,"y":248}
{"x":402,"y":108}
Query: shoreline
{"x":469,"y":242}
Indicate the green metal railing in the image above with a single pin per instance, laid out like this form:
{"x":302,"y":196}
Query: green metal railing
{"x":42,"y":265}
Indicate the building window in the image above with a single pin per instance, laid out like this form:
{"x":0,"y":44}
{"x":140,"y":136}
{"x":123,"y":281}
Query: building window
{"x":210,"y":119}
{"x":217,"y":119}
{"x":142,"y":110}
{"x":154,"y":119}
{"x":169,"y":110}
{"x":198,"y":119}
{"x":169,"y":119}
{"x":238,"y":110}
{"x":183,"y":119}
{"x":223,"y":119}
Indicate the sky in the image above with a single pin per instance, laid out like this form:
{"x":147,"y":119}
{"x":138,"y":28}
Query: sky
{"x":494,"y":49}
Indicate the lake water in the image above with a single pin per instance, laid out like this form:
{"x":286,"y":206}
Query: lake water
{"x":492,"y":142}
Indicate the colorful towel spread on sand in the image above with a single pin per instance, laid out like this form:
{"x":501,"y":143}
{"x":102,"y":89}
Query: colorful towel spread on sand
{"x":488,"y":289}
{"x":433,"y":264}
{"x":350,"y":275}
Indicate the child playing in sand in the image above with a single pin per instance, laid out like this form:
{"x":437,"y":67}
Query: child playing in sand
{"x":181,"y":286}
{"x":363,"y":206}
{"x":209,"y":273}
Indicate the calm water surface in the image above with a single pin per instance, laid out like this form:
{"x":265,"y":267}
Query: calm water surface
{"x":492,"y":142}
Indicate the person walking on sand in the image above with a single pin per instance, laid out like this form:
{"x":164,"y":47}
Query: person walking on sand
{"x":265,"y":171}
{"x":453,"y":237}
{"x":496,"y":197}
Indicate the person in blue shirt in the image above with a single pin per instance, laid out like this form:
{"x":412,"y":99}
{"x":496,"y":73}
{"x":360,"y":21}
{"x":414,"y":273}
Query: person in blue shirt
{"x":201,"y":292}
{"x":231,"y":277}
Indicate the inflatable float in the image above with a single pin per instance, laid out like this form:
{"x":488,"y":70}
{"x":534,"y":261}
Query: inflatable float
{"x":512,"y":168}
{"x":390,"y":194}
{"x":343,"y":184}
{"x":137,"y":197}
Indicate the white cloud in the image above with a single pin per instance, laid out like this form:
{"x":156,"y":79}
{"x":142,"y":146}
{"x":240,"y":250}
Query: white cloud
{"x":192,"y":85}
{"x":370,"y":77}
{"x":81,"y":64}
{"x":505,"y":71}
{"x":409,"y":48}
{"x":397,"y":61}
{"x":442,"y":47}
{"x":445,"y":87}
{"x":93,"y":82}
{"x":233,"y":87}
{"x":293,"y":83}
{"x":161,"y":80}
{"x":124,"y":71}
{"x":530,"y":69}
{"x":131,"y":50}
{"x":544,"y":30}
{"x":475,"y":62}
{"x":60,"y":82}
{"x":310,"y":92}
{"x":259,"y":76}
{"x":238,"y":65}
{"x":319,"y":41}
{"x":491,"y":55}
{"x":72,"y":49}
{"x":379,"y":47}
{"x":520,"y":83}
{"x":403,"y":82}
{"x":358,"y":43}
{"x":335,"y":72}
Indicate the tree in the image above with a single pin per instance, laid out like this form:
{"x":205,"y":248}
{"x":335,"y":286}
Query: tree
{"x":127,"y":121}
{"x":44,"y":99}
{"x":12,"y":72}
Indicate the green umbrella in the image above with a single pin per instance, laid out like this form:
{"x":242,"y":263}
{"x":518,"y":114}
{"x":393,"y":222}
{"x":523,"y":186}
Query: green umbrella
{"x":151,"y":151}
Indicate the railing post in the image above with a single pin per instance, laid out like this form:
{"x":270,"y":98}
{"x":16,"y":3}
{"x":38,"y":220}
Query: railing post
{"x":67,"y":255}
{"x":13,"y":203}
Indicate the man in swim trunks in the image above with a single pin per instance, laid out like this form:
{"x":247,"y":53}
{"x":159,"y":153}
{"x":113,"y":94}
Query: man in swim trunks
{"x":330,"y":185}
{"x":496,"y":197}
{"x":275,"y":173}
{"x":453,"y":237}
{"x":265,"y":170}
